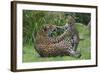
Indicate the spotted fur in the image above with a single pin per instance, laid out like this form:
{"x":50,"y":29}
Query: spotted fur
{"x":48,"y":46}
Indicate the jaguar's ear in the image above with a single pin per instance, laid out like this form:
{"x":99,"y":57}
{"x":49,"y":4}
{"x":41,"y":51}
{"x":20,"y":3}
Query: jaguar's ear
{"x":44,"y":28}
{"x":71,"y":19}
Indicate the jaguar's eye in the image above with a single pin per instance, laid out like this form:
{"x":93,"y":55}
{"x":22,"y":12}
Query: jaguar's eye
{"x":45,"y":29}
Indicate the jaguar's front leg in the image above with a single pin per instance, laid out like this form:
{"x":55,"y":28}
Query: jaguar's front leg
{"x":75,"y":45}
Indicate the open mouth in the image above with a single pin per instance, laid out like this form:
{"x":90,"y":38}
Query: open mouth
{"x":57,"y":32}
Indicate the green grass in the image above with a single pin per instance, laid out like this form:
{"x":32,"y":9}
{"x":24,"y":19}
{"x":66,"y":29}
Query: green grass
{"x":30,"y":54}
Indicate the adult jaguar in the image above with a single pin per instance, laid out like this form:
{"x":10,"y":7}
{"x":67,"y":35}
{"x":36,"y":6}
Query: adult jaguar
{"x":49,"y":46}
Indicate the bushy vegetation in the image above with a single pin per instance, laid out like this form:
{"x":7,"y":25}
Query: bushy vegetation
{"x":34,"y":20}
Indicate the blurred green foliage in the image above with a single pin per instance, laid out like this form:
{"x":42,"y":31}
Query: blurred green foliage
{"x":34,"y":20}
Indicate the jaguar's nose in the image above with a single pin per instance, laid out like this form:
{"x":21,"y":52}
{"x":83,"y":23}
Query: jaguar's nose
{"x":55,"y":30}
